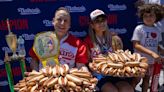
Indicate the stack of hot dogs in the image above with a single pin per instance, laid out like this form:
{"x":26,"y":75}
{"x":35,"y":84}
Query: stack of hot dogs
{"x":57,"y":79}
{"x":120,"y":64}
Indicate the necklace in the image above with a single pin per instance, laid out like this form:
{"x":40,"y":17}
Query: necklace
{"x":102,"y":44}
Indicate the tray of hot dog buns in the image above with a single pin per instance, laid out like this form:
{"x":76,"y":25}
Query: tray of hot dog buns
{"x":57,"y":79}
{"x":120,"y":64}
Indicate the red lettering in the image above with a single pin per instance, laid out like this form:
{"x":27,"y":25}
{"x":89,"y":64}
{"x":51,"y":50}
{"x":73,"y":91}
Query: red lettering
{"x":16,"y":24}
{"x":112,"y":19}
{"x":16,"y":71}
{"x":83,"y":21}
{"x":3,"y":25}
{"x":22,"y":24}
{"x":12,"y":24}
{"x":2,"y":73}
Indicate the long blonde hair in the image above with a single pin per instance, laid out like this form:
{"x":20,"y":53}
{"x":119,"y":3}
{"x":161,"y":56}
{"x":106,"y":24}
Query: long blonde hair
{"x":107,"y":36}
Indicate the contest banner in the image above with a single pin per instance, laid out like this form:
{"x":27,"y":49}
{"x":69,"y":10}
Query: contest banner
{"x":29,"y":17}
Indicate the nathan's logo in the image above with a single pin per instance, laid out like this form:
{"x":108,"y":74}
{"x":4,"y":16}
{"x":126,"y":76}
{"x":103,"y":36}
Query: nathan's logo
{"x":4,"y":83}
{"x":47,"y":23}
{"x":79,"y":34}
{"x":28,"y":36}
{"x":67,"y":54}
{"x":28,"y":11}
{"x":6,"y":49}
{"x":76,"y":8}
{"x":1,"y":62}
{"x":119,"y":30}
{"x":117,"y":7}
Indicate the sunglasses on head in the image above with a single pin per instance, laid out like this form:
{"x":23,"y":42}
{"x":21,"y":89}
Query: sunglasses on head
{"x":99,"y":20}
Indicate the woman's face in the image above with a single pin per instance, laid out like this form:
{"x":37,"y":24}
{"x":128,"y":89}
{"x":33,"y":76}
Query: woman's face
{"x":99,"y":24}
{"x":149,"y":19}
{"x":61,"y":22}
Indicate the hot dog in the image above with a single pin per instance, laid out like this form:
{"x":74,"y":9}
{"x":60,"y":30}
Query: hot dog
{"x":110,"y":71}
{"x":62,"y":71}
{"x":73,"y":70}
{"x":23,"y":89}
{"x":114,"y":71}
{"x":30,"y":83}
{"x":33,"y":73}
{"x":99,"y":65}
{"x":66,"y":68}
{"x":99,"y":59}
{"x":85,"y":79}
{"x":47,"y":81}
{"x":104,"y":66}
{"x":86,"y":84}
{"x":56,"y":71}
{"x":94,"y":80}
{"x":106,"y":71}
{"x":143,"y":59}
{"x":43,"y":80}
{"x":82,"y":74}
{"x":74,"y":78}
{"x":52,"y":82}
{"x":143,"y":65}
{"x":22,"y":81}
{"x":115,"y":65}
{"x":137,"y":56}
{"x":127,"y":75}
{"x":132,"y":64}
{"x":115,"y":57}
{"x":36,"y":78}
{"x":49,"y":71}
{"x":128,"y":69}
{"x":126,"y":58}
{"x":71,"y":84}
{"x":120,"y":57}
{"x":78,"y":89}
{"x":34,"y":88}
{"x":16,"y":89}
{"x":111,"y":57}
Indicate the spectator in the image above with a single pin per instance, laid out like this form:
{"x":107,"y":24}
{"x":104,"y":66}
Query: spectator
{"x":146,"y":37}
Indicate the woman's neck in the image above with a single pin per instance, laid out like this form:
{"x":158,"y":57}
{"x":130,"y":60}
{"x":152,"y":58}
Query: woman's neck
{"x":61,"y":36}
{"x":99,"y":34}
